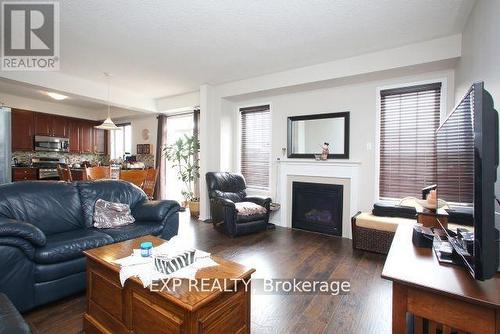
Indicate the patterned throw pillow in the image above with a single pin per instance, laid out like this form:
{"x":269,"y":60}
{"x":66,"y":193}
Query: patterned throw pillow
{"x":249,"y":209}
{"x":111,"y":215}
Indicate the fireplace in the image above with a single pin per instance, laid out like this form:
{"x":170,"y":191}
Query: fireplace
{"x":317,"y":207}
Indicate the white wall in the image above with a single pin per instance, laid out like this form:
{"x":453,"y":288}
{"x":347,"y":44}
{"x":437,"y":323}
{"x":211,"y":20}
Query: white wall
{"x":359,"y":97}
{"x":480,"y":59}
{"x":140,"y":123}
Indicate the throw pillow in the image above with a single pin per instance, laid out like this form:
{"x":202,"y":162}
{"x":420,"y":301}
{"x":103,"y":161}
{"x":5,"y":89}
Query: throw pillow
{"x":249,"y":209}
{"x":111,"y":215}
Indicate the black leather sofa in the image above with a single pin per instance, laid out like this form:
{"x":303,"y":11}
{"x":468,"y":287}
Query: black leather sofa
{"x":224,"y":190}
{"x":45,"y":227}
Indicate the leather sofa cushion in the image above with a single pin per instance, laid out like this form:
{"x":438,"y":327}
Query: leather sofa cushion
{"x":115,"y":191}
{"x":51,"y":272}
{"x":138,"y":229}
{"x":155,"y":210}
{"x":70,"y":245}
{"x":53,"y":207}
{"x":11,"y":320}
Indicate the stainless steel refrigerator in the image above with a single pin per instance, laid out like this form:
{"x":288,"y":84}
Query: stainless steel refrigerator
{"x":5,"y":145}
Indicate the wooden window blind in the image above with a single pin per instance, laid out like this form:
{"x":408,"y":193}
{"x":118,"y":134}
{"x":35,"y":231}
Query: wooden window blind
{"x":256,"y":146}
{"x":409,"y":119}
{"x":455,"y":146}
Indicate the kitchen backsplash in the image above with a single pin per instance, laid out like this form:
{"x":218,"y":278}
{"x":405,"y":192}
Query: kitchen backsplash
{"x":76,"y":158}
{"x":73,"y":158}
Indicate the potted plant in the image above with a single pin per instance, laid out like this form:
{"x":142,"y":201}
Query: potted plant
{"x":183,"y":154}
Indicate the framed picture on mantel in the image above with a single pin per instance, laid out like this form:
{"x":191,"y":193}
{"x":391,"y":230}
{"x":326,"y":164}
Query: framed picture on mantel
{"x":307,"y":133}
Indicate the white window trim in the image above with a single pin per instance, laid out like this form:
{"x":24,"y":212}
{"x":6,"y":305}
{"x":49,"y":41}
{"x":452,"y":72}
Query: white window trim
{"x":442,"y":115}
{"x":250,"y":190}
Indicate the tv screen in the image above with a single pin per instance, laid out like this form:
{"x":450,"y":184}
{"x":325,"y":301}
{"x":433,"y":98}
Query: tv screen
{"x":467,"y":161}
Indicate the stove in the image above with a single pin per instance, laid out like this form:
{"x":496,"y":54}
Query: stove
{"x":47,"y":167}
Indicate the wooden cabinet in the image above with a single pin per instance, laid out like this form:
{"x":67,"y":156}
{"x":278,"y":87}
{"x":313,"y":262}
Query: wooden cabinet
{"x":50,"y":125}
{"x":24,"y":174}
{"x":100,"y":141}
{"x":22,"y":125}
{"x":60,"y":126}
{"x":86,"y":137}
{"x":43,"y":124}
{"x":83,"y":137}
{"x":74,"y":135}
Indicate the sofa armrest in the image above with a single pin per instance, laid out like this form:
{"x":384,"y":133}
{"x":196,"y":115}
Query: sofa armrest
{"x":225,"y":202}
{"x":259,"y":200}
{"x":155,"y":210}
{"x":26,"y":231}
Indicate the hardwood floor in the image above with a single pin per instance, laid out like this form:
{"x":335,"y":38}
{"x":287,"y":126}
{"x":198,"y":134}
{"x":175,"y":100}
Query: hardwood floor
{"x":280,"y":253}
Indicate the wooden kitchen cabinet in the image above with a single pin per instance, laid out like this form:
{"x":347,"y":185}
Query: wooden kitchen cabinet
{"x":43,"y":124}
{"x":100,"y":141}
{"x":86,"y":137}
{"x":50,"y":125}
{"x":74,"y":135}
{"x":60,"y":126}
{"x":22,"y":125}
{"x":24,"y":174}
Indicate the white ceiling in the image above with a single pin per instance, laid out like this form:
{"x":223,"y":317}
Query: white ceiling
{"x":159,"y":48}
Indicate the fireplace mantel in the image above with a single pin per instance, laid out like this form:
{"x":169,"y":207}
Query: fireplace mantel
{"x":345,"y":172}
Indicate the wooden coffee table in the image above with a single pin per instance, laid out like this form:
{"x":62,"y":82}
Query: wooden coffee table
{"x":112,"y":308}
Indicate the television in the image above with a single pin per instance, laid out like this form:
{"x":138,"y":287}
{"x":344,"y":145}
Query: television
{"x":467,"y":161}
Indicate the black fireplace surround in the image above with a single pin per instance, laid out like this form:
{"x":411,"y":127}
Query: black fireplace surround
{"x":317,"y":207}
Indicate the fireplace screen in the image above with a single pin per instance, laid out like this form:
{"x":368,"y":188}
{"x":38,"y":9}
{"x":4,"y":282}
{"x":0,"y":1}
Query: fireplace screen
{"x":317,"y":207}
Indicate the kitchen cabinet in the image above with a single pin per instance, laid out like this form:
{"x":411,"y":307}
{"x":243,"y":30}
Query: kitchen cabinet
{"x":43,"y":124}
{"x":22,"y":125}
{"x":60,"y":126}
{"x":100,"y":141}
{"x":50,"y":125}
{"x":74,"y":135}
{"x":24,"y":174}
{"x":86,"y":137}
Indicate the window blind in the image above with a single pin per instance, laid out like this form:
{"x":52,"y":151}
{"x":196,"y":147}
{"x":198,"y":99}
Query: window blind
{"x":256,"y":146}
{"x":409,"y":119}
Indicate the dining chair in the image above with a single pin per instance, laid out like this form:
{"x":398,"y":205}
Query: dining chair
{"x":136,"y":177}
{"x":64,"y":173}
{"x":150,"y":182}
{"x":97,"y":173}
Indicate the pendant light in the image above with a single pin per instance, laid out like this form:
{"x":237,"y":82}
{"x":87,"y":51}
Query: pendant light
{"x":108,"y":123}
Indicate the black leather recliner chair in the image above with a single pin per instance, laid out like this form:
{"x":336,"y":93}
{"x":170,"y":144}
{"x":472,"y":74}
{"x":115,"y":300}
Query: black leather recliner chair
{"x":46,"y":226}
{"x":227,"y":189}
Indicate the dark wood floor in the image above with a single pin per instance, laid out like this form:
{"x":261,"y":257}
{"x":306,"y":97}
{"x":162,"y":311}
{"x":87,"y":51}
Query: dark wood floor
{"x":281,"y":253}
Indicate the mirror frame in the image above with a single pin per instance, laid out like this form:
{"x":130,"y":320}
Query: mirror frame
{"x":291,"y":119}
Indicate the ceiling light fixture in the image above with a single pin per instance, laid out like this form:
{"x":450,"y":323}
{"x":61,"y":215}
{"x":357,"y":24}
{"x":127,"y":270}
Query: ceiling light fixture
{"x":55,"y":96}
{"x":108,"y":123}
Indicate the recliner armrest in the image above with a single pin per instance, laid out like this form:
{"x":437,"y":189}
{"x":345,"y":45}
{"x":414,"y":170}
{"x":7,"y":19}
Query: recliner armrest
{"x":27,"y":231}
{"x":225,"y":202}
{"x":259,"y":200}
{"x":154,"y":210}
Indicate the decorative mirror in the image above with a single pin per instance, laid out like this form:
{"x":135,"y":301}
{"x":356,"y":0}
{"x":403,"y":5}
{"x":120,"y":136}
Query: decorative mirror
{"x":307,"y":134}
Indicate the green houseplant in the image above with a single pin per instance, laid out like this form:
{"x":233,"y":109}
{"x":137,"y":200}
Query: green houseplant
{"x":183,"y":154}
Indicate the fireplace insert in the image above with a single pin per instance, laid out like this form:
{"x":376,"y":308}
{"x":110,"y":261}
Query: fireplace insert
{"x":317,"y":207}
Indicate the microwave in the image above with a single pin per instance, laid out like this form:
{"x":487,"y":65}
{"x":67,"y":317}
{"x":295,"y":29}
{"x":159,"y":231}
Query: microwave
{"x":52,"y":144}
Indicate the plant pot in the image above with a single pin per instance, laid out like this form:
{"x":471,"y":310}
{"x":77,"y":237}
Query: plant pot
{"x":194,"y":208}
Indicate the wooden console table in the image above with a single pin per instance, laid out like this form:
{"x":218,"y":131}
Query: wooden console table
{"x":443,"y":294}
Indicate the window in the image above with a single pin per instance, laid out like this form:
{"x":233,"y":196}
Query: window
{"x":409,"y":118}
{"x":121,"y":141}
{"x":256,"y":146}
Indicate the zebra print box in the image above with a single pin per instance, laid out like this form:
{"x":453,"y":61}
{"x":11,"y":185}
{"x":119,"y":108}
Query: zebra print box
{"x":168,"y":265}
